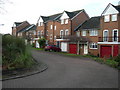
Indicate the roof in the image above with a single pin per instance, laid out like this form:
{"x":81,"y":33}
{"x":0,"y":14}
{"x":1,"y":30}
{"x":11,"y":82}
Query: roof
{"x":57,"y":16}
{"x":18,"y":23}
{"x":74,"y":13}
{"x":92,"y":23}
{"x":117,"y":7}
{"x":27,"y":28}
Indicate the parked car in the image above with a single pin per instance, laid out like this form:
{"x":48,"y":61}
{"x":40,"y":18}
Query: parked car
{"x":52,"y":48}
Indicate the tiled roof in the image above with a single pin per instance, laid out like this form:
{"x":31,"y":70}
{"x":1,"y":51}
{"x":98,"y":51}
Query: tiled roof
{"x":57,"y":16}
{"x":92,"y":23}
{"x":18,"y":23}
{"x":27,"y":28}
{"x":72,"y":14}
{"x":117,"y":7}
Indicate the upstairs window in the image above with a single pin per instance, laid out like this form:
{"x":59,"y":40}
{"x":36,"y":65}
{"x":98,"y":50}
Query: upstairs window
{"x":38,"y":33}
{"x":41,"y":24}
{"x":62,"y":21}
{"x":107,"y":18}
{"x":50,"y":36}
{"x":34,"y":32}
{"x":93,"y":46}
{"x":93,"y":32}
{"x":83,"y":33}
{"x":55,"y":27}
{"x":66,"y":21}
{"x":51,"y":27}
{"x":61,"y":33}
{"x":78,"y":33}
{"x":66,"y":32}
{"x":114,"y":17}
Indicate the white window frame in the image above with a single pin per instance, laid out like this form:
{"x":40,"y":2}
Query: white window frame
{"x":54,"y":37}
{"x":51,"y":27}
{"x":66,"y":21}
{"x":62,"y":21}
{"x":84,"y":33}
{"x":106,"y":18}
{"x":93,"y":46}
{"x":55,"y":27}
{"x":61,"y":35}
{"x":34,"y":32}
{"x":42,"y":33}
{"x":47,"y":32}
{"x":66,"y":32}
{"x":114,"y":17}
{"x":113,"y":35}
{"x":78,"y":33}
{"x":104,"y":36}
{"x":93,"y":32}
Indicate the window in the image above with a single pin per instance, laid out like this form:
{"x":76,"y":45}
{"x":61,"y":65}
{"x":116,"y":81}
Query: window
{"x":93,"y":32}
{"x":83,"y":33}
{"x":107,"y":18}
{"x":38,"y":33}
{"x":114,"y":17}
{"x":61,"y":33}
{"x":41,"y":24}
{"x":66,"y":21}
{"x":34,"y":32}
{"x":50,"y":26}
{"x":105,"y":35}
{"x":66,"y":32}
{"x":115,"y":35}
{"x":93,"y":46}
{"x":78,"y":33}
{"x":55,"y":27}
{"x":54,"y":37}
{"x":47,"y":32}
{"x":42,"y":33}
{"x":62,"y":21}
{"x":50,"y":36}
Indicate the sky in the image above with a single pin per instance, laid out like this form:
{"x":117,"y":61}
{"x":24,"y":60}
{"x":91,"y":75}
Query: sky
{"x":30,"y":10}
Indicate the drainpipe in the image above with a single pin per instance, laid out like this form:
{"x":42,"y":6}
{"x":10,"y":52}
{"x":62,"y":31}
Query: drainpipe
{"x":78,"y":47}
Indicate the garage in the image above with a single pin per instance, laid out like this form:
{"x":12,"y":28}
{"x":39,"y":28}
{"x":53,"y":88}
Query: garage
{"x":64,"y":46}
{"x":115,"y":50}
{"x":73,"y":48}
{"x":106,"y":51}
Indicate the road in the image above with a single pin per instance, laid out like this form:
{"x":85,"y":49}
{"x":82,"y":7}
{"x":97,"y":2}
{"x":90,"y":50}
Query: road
{"x":67,"y":72}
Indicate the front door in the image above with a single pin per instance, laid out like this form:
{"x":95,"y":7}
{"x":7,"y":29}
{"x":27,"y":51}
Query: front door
{"x":85,"y":49}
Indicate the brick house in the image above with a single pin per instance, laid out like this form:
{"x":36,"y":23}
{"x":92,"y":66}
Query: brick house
{"x":55,"y":27}
{"x":89,"y":30}
{"x":109,"y":35}
{"x":24,"y":30}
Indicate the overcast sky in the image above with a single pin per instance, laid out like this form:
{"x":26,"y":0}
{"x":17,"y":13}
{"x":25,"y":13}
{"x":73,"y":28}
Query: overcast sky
{"x":30,"y":10}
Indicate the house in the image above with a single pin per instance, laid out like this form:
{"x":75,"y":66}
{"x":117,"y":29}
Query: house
{"x":109,"y":35}
{"x":88,"y":30}
{"x":55,"y":27}
{"x":24,"y":30}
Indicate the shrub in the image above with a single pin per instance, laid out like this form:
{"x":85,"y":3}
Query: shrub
{"x":15,"y":54}
{"x":112,"y":63}
{"x":42,"y":42}
{"x":117,"y":59}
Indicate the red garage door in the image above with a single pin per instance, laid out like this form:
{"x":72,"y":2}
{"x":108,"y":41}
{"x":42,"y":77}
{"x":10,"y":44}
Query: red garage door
{"x":106,"y":51}
{"x":73,"y":48}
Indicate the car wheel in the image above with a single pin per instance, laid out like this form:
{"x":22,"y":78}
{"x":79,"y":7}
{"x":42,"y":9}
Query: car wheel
{"x":50,"y":50}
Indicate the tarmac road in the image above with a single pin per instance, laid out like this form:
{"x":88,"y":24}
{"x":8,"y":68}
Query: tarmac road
{"x":67,"y":72}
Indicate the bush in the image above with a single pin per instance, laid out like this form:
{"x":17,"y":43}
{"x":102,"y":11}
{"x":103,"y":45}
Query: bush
{"x":42,"y":42}
{"x":15,"y":54}
{"x":117,"y":59}
{"x":112,"y":63}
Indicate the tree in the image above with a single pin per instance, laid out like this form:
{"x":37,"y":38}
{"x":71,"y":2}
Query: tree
{"x":42,"y":42}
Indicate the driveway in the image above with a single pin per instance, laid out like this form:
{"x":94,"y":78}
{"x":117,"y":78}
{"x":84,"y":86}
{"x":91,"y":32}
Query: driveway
{"x":67,"y":72}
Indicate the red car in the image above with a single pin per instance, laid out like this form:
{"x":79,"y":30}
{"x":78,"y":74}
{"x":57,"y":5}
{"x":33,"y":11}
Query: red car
{"x":52,"y":48}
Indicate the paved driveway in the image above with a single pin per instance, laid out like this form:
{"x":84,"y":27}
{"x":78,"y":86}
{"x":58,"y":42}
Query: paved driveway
{"x":67,"y":72}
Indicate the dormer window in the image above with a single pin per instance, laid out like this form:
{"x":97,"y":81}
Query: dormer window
{"x":66,"y":21}
{"x":62,"y":21}
{"x":114,"y":17}
{"x":106,"y":18}
{"x":41,"y":24}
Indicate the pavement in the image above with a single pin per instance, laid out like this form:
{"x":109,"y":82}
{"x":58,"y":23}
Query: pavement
{"x":67,"y":72}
